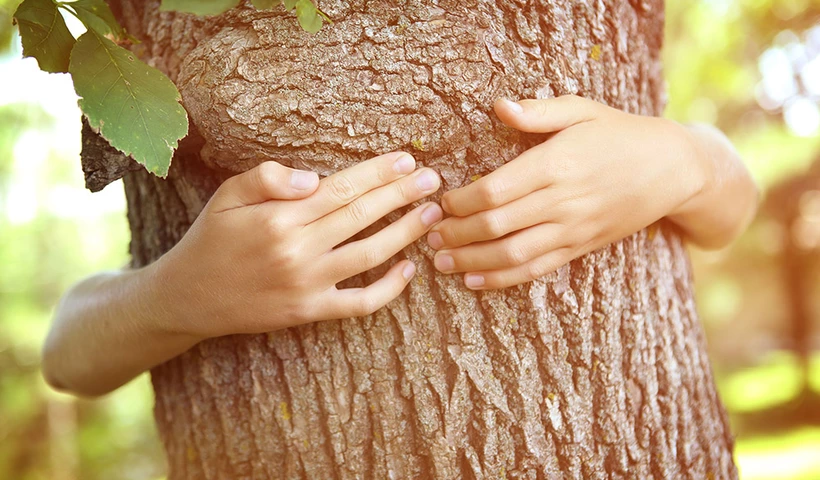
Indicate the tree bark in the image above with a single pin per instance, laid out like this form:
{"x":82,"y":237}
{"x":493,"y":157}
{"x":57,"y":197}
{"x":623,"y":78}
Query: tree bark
{"x":598,"y":370}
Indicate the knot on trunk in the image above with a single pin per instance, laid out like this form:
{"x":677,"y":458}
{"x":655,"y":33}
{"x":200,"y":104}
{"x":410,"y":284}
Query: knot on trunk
{"x":421,"y":80}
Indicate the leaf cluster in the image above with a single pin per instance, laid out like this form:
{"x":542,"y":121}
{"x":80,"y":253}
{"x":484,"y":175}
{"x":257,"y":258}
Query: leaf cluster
{"x":133,"y":105}
{"x":310,"y":18}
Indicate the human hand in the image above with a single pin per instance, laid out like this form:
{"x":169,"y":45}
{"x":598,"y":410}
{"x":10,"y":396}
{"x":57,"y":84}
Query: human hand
{"x":261,"y":255}
{"x":603,"y":175}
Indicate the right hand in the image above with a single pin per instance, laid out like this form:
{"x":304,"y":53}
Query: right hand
{"x":261,"y":256}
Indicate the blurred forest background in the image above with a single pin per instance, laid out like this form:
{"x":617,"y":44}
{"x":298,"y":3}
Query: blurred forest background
{"x":752,"y":67}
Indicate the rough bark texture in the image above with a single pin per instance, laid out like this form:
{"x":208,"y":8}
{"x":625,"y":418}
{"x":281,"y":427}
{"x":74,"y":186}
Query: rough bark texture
{"x":596,"y":371}
{"x":102,"y":163}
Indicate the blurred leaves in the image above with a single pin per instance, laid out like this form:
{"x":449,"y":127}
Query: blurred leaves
{"x":51,"y":238}
{"x":310,"y":18}
{"x":714,"y":69}
{"x":711,"y":58}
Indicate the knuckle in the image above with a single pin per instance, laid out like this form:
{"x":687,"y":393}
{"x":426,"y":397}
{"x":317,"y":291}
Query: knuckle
{"x":493,"y":224}
{"x":535,"y":269}
{"x":370,"y":258}
{"x":402,"y":192}
{"x":275,"y":225}
{"x":571,"y":100}
{"x":266,"y":175}
{"x":385,"y":173}
{"x":450,"y":236}
{"x":543,"y":107}
{"x":288,"y":255}
{"x":357,"y":212}
{"x":365,"y":305}
{"x":514,"y":254}
{"x":342,"y":189}
{"x":492,"y":192}
{"x":267,"y":170}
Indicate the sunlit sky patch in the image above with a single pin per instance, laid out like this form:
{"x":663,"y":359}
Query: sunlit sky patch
{"x":39,"y":150}
{"x":790,"y":82}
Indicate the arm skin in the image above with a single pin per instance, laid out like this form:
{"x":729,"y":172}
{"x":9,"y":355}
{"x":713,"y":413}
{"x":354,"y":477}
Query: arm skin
{"x":266,"y":253}
{"x":602,"y":175}
{"x":726,"y":202}
{"x":108,"y":329}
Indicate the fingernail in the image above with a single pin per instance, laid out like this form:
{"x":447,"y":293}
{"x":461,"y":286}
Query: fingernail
{"x":431,"y":215}
{"x":408,"y":271}
{"x":302,"y":180}
{"x":405,"y":164}
{"x":434,"y":240}
{"x":515,"y":107}
{"x":426,"y":180}
{"x":473,"y":280}
{"x":444,"y":263}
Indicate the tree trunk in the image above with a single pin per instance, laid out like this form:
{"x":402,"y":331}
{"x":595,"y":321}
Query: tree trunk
{"x":598,"y":370}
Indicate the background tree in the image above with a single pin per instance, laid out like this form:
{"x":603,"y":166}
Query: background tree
{"x":597,"y":370}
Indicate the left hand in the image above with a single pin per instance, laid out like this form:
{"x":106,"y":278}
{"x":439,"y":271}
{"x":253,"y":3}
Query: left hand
{"x":603,"y":175}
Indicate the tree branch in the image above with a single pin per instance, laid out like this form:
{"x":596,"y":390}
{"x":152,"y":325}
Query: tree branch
{"x":102,"y":163}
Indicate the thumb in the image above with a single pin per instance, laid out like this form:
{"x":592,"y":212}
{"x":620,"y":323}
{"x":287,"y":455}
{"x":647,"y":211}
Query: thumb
{"x":267,"y":181}
{"x":546,"y":115}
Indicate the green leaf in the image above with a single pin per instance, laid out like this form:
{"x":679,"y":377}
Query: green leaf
{"x":289,"y":4}
{"x":44,"y":34}
{"x":96,"y":16}
{"x":308,"y":16}
{"x":199,"y":7}
{"x":264,"y":4}
{"x":135,"y":107}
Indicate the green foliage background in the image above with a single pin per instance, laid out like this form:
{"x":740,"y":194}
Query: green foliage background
{"x":712,"y":54}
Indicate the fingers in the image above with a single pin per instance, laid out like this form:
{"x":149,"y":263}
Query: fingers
{"x":532,"y":270}
{"x":508,"y":252}
{"x":533,"y":209}
{"x":365,"y":210}
{"x":531,"y":170}
{"x":511,"y":181}
{"x":371,"y":252}
{"x":358,"y":302}
{"x":527,"y":173}
{"x":546,"y":115}
{"x":265,"y":182}
{"x":344,"y":187}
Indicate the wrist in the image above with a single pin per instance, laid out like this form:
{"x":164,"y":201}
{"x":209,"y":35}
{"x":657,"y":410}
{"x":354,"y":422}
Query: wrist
{"x":163,"y":300}
{"x":692,"y":169}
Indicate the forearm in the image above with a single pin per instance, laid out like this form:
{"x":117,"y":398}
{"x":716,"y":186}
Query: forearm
{"x":108,"y":329}
{"x":726,"y":197}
